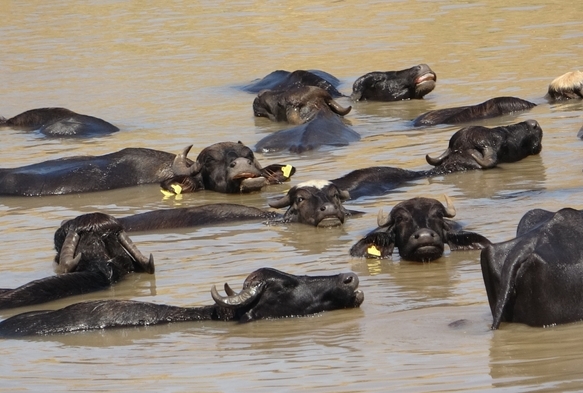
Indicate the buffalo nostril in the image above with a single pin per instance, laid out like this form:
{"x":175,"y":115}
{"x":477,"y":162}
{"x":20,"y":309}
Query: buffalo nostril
{"x":233,"y":164}
{"x":348,"y":280}
{"x":322,"y":208}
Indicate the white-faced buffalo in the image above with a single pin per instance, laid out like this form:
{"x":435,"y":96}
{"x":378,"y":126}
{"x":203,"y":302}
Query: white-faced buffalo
{"x":419,"y":228}
{"x":266,"y":294}
{"x":470,"y":148}
{"x":411,"y":83}
{"x":537,"y":278}
{"x":93,"y":252}
{"x":223,"y":167}
{"x":566,"y":86}
{"x":59,"y":122}
{"x":296,"y":104}
{"x":316,"y":203}
{"x":282,"y":80}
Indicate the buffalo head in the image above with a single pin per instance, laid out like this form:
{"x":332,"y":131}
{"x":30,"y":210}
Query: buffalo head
{"x":477,"y":147}
{"x":227,"y":167}
{"x":566,"y":86}
{"x":296,"y":105}
{"x":317,"y":203}
{"x":419,"y":229}
{"x":536,"y":278}
{"x":411,"y":83}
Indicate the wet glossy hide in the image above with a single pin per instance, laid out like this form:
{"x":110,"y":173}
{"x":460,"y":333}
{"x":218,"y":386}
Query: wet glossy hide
{"x":411,"y":83}
{"x":536,"y":278}
{"x":59,"y":122}
{"x":282,"y":80}
{"x":267,"y":293}
{"x":494,"y":107}
{"x":93,"y":253}
{"x":325,"y":129}
{"x":419,"y":228}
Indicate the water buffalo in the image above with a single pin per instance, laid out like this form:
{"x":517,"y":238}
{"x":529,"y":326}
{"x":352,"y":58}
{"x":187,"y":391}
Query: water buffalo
{"x":223,"y":167}
{"x":411,"y":83}
{"x":93,"y":252}
{"x":282,"y":80}
{"x":59,"y":122}
{"x":566,"y":86}
{"x":266,"y":294}
{"x":316,"y":203}
{"x":470,"y":148}
{"x":296,"y":104}
{"x":536,"y":277}
{"x":419,"y":228}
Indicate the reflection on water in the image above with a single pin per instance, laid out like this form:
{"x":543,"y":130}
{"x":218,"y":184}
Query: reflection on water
{"x":166,"y":73}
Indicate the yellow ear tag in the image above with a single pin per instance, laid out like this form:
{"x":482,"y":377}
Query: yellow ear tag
{"x":286,"y":170}
{"x":373,"y":250}
{"x":166,"y":193}
{"x":177,"y":189}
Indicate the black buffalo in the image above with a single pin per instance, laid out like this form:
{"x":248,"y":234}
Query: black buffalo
{"x":537,"y":278}
{"x":296,"y":104}
{"x":470,"y":148}
{"x":93,"y":252}
{"x":282,"y":80}
{"x":266,"y":294}
{"x":316,"y":203}
{"x":494,"y":107}
{"x":419,"y":228}
{"x":411,"y":83}
{"x":59,"y":122}
{"x":223,"y":167}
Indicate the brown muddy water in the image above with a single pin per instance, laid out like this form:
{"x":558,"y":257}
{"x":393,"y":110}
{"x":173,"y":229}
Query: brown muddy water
{"x":166,"y":73}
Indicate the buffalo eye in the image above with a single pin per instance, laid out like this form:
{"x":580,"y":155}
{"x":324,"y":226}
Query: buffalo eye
{"x":300,"y":199}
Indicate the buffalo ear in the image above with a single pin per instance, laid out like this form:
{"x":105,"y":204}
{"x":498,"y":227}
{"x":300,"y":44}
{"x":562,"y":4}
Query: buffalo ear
{"x":277,"y":173}
{"x":284,"y":201}
{"x":466,"y":241}
{"x":181,"y":185}
{"x":374,"y":245}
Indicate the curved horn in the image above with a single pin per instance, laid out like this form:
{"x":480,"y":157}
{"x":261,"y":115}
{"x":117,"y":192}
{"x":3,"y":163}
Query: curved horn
{"x":180,"y":166}
{"x":281,"y":202}
{"x":449,"y":209}
{"x":67,"y":259}
{"x":337,"y":108}
{"x":485,"y":160}
{"x":438,"y":160}
{"x":229,"y":291}
{"x":243,"y":298}
{"x":382,"y":218}
{"x":145,"y":263}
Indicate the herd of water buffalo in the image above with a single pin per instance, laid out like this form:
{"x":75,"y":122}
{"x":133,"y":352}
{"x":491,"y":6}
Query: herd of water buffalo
{"x":533,"y":279}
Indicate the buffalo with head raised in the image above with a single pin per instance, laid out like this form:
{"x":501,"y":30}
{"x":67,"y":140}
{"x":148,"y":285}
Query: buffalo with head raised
{"x":419,"y":228}
{"x":411,"y":83}
{"x":537,"y":278}
{"x":93,"y":252}
{"x":59,"y":122}
{"x":266,"y":294}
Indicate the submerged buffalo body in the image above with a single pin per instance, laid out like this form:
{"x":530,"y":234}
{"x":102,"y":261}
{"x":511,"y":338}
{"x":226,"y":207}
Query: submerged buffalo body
{"x":494,"y":107}
{"x":282,"y":80}
{"x":59,"y":122}
{"x":411,"y":83}
{"x":223,"y":167}
{"x":316,"y":203}
{"x":267,"y":293}
{"x":93,"y":252}
{"x":470,"y":148}
{"x":537,"y":278}
{"x":419,"y":229}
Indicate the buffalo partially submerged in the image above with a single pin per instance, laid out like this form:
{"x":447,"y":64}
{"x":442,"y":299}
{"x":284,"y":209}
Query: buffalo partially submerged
{"x":266,"y":294}
{"x":536,"y":278}
{"x":282,"y":80}
{"x":469,"y":148}
{"x":59,"y":122}
{"x":93,"y":252}
{"x":296,"y":104}
{"x":565,"y":87}
{"x":411,"y":83}
{"x":316,"y":203}
{"x":223,"y":167}
{"x":419,"y":228}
